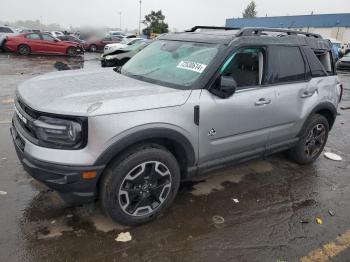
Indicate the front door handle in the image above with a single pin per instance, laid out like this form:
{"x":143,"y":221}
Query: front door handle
{"x":263,"y":101}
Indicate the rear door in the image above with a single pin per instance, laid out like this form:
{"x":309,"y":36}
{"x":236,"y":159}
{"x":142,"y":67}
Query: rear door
{"x":34,"y":42}
{"x":287,"y":71}
{"x":238,"y":126}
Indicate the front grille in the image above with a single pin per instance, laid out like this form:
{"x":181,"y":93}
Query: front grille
{"x":27,"y":109}
{"x":25,"y":117}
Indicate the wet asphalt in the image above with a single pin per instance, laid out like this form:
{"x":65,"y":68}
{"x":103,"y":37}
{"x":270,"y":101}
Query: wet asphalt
{"x":274,"y":219}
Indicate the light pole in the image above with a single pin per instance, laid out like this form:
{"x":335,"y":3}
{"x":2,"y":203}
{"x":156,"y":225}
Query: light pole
{"x":41,"y":23}
{"x":140,"y":19}
{"x":120,"y":20}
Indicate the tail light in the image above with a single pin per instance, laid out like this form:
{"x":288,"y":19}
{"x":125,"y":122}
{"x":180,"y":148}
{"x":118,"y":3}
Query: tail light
{"x":341,"y":92}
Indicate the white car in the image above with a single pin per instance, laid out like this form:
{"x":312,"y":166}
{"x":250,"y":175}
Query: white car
{"x":124,"y":43}
{"x":56,"y":33}
{"x":4,"y":32}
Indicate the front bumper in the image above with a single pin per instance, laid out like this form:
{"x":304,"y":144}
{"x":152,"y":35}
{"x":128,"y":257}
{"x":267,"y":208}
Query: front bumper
{"x":66,"y":180}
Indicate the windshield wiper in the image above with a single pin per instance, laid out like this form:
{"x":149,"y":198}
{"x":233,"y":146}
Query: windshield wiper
{"x":147,"y":73}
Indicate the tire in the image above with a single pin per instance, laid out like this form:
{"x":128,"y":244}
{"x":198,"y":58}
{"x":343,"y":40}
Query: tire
{"x":312,"y":141}
{"x":137,"y":187}
{"x":93,"y":48}
{"x":72,"y":51}
{"x":23,"y":49}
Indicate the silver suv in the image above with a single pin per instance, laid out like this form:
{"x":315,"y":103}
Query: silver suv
{"x":188,"y":103}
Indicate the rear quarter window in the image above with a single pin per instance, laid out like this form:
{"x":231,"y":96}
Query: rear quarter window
{"x":5,"y":30}
{"x":316,"y":68}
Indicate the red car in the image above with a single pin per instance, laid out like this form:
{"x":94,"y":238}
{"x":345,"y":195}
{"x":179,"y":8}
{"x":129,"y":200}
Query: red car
{"x":98,"y":44}
{"x":41,"y":43}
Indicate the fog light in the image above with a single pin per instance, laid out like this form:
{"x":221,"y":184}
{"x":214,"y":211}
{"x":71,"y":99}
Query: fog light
{"x":89,"y":175}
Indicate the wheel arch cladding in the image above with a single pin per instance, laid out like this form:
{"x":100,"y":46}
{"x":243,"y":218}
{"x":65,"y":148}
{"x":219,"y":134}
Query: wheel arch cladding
{"x":172,"y":140}
{"x":326,"y":109}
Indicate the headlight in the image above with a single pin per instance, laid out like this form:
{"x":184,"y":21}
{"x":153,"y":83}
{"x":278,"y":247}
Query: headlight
{"x":58,"y":132}
{"x":109,"y":57}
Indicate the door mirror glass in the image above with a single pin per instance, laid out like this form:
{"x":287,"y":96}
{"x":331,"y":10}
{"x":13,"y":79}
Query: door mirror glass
{"x":227,"y":83}
{"x":227,"y":87}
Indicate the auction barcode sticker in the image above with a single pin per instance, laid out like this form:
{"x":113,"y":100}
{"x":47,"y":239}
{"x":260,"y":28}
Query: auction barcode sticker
{"x":193,"y":66}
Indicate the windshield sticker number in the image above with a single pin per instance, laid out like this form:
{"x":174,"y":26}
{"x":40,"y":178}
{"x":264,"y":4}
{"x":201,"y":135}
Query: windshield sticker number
{"x":192,"y":66}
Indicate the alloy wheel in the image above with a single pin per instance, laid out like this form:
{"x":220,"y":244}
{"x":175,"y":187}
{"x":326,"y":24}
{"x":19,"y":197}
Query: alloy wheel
{"x":145,"y":188}
{"x":315,"y":140}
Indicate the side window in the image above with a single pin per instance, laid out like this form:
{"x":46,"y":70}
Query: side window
{"x":245,"y":66}
{"x":47,"y":37}
{"x":5,"y":30}
{"x":33,"y":36}
{"x":286,"y":64}
{"x":316,"y":68}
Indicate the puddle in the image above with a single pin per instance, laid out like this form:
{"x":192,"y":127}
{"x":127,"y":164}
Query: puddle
{"x":105,"y":224}
{"x":234,"y":175}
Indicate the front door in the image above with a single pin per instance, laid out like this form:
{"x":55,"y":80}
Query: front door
{"x":238,"y":126}
{"x":50,"y":45}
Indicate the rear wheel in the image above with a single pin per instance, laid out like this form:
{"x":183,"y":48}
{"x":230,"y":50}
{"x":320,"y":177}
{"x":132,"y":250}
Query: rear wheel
{"x":23,"y":50}
{"x":93,"y":48}
{"x":72,"y":51}
{"x":139,"y":186}
{"x":312,"y":140}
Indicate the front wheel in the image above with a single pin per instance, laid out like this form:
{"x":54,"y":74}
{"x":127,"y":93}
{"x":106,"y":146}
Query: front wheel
{"x":72,"y":51}
{"x":138,"y":187}
{"x":312,"y":140}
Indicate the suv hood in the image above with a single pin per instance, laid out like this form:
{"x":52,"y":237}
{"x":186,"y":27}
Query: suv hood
{"x":99,"y":92}
{"x":345,"y":59}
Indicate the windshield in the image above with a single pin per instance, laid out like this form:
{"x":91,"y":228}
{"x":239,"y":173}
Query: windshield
{"x":135,"y":46}
{"x":125,"y":41}
{"x":171,"y":62}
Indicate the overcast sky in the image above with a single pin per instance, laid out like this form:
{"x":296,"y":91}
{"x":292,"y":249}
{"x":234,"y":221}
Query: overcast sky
{"x":180,"y":14}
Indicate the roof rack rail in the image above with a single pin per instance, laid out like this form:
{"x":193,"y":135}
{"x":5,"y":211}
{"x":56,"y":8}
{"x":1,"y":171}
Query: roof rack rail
{"x":194,"y":29}
{"x":256,"y":31}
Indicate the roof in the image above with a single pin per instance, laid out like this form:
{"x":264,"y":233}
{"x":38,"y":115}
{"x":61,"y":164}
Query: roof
{"x":296,"y":21}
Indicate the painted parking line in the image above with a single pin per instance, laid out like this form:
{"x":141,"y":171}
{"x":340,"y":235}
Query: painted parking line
{"x":7,"y":101}
{"x":329,"y":250}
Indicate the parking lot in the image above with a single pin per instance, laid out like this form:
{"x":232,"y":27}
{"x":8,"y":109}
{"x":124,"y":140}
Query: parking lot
{"x":274,"y":218}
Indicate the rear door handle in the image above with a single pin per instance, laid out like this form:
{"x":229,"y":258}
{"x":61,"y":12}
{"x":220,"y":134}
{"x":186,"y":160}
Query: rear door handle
{"x":263,"y":101}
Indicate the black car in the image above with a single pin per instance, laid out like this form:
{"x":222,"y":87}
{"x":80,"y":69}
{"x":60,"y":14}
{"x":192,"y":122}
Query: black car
{"x":344,"y":62}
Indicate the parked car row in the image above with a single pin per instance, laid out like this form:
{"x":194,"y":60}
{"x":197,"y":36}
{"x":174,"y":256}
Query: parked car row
{"x":41,"y":43}
{"x":27,"y":41}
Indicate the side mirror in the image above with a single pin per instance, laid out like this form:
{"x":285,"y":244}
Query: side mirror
{"x":227,"y":86}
